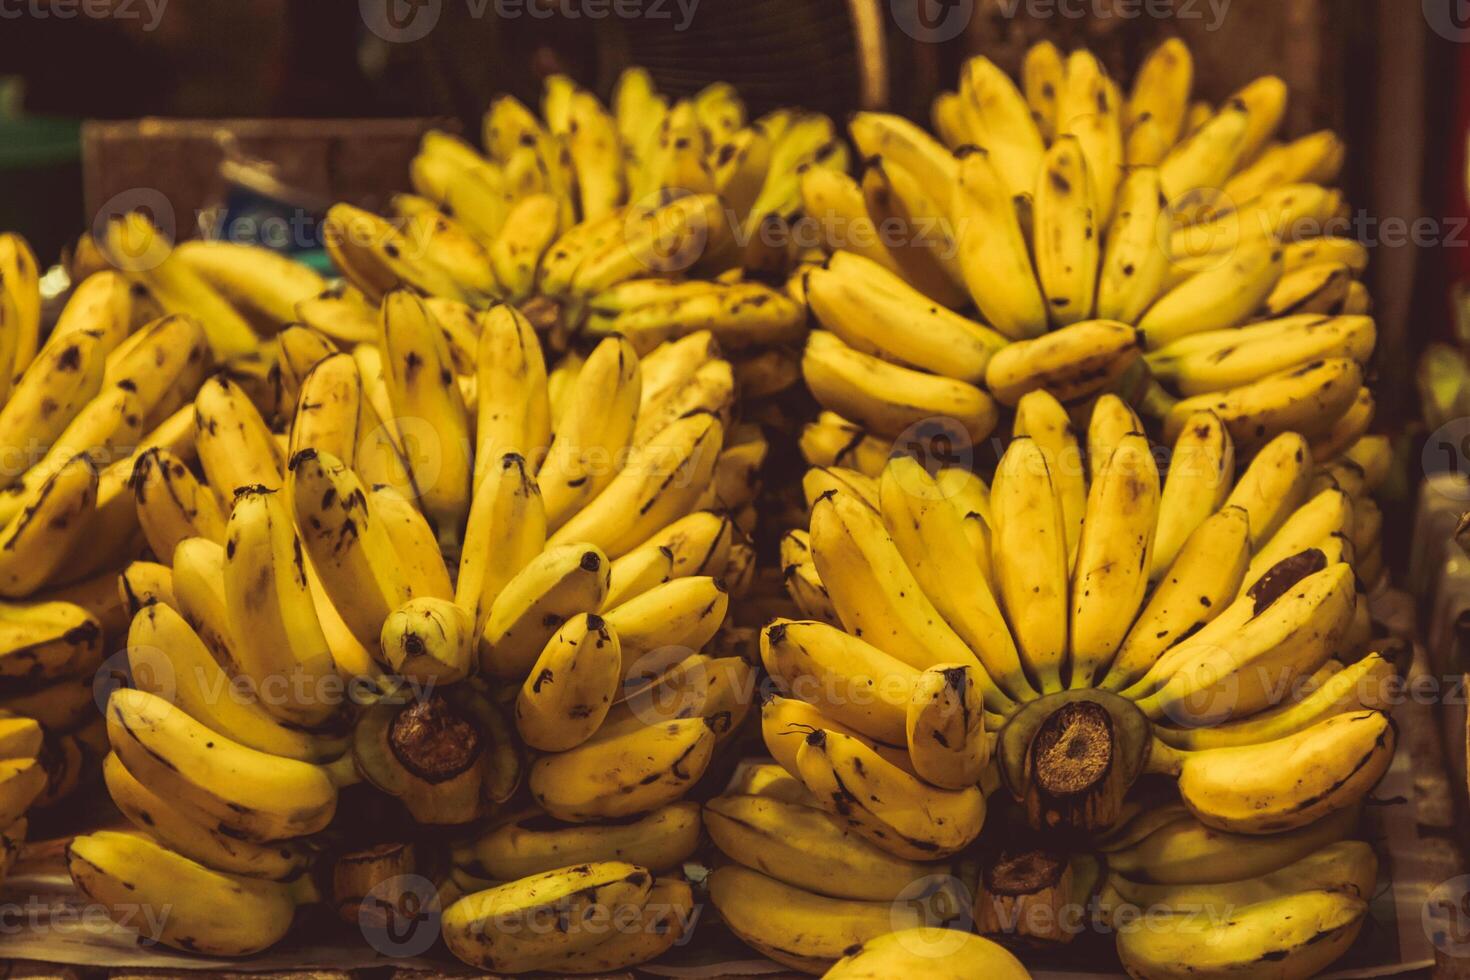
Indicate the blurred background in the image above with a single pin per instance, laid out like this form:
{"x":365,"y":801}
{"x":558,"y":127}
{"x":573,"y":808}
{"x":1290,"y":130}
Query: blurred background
{"x":98,"y":97}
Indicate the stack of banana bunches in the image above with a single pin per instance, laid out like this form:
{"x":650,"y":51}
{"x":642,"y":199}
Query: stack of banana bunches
{"x":1131,"y":667}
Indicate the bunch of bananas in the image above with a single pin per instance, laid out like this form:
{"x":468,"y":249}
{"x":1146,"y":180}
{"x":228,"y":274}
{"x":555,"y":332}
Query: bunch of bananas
{"x":1148,"y":245}
{"x":650,"y":219}
{"x":1081,"y":625}
{"x":301,"y":630}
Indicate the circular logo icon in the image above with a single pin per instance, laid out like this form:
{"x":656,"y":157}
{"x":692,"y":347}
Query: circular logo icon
{"x":132,"y":246}
{"x":400,"y":21}
{"x":1212,"y":695}
{"x":422,"y":450}
{"x":1447,"y":450}
{"x":942,"y":446}
{"x":932,"y":21}
{"x":400,"y":916}
{"x":668,"y":231}
{"x":1446,"y":916}
{"x":1450,"y":19}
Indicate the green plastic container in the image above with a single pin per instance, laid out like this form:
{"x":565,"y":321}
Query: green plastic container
{"x":41,"y":182}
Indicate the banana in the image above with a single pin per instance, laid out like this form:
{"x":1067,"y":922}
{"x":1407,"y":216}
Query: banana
{"x":998,"y":118}
{"x":805,"y":848}
{"x":947,"y":742}
{"x":626,"y":773}
{"x":835,"y":202}
{"x":273,"y":622}
{"x":1318,"y":288}
{"x":188,"y":837}
{"x":413,"y":541}
{"x":1264,"y":102}
{"x":1274,"y":485}
{"x":663,"y":625}
{"x":1298,"y":935}
{"x":1224,"y":359}
{"x":341,"y":313}
{"x":718,"y":689}
{"x":1203,"y":578}
{"x":1184,"y":851}
{"x":1350,"y":426}
{"x":863,"y":303}
{"x":661,"y":481}
{"x":1134,"y":262}
{"x":993,"y":252}
{"x":659,"y":841}
{"x":514,"y":413}
{"x":47,"y":641}
{"x":1328,"y":766}
{"x":942,"y":954}
{"x":1196,"y":166}
{"x":710,"y":389}
{"x":1369,"y":683}
{"x":167,"y":658}
{"x":825,"y":666}
{"x":741,"y":315}
{"x":928,"y":532}
{"x":138,"y":250}
{"x":217,"y":781}
{"x":797,"y":928}
{"x":1029,"y":556}
{"x":1070,"y":363}
{"x":1306,"y":399}
{"x":887,"y":399}
{"x":1201,"y":475}
{"x":417,"y":361}
{"x":331,"y":413}
{"x":1217,"y":678}
{"x":34,"y":545}
{"x":505,"y":531}
{"x":1066,"y":234}
{"x":1043,"y":76}
{"x":668,"y":914}
{"x":593,"y":433}
{"x":235,"y":446}
{"x":1099,"y":133}
{"x":350,"y":551}
{"x":263,"y":285}
{"x":430,"y":640}
{"x":881,"y":802}
{"x":1350,"y":867}
{"x":1161,"y":88}
{"x":1327,"y":514}
{"x":1311,"y":251}
{"x":573,"y":683}
{"x":1279,"y":215}
{"x":833,"y":441}
{"x":914,"y":230}
{"x":20,"y":282}
{"x":164,"y":363}
{"x":873,"y":590}
{"x":1113,"y":558}
{"x":587,"y":899}
{"x":44,"y":400}
{"x":171,"y":899}
{"x":658,"y":238}
{"x":173,"y":504}
{"x":1216,"y":298}
{"x":556,"y":585}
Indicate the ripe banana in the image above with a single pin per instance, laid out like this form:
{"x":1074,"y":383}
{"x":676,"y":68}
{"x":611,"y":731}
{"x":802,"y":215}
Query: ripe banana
{"x":593,"y":432}
{"x":940,"y":954}
{"x":665,"y":624}
{"x":1306,"y":399}
{"x":556,"y":585}
{"x":659,"y":841}
{"x":430,"y":640}
{"x":171,"y":899}
{"x":994,"y":256}
{"x":505,"y":531}
{"x":1071,"y":362}
{"x":1201,"y":474}
{"x":572,"y":685}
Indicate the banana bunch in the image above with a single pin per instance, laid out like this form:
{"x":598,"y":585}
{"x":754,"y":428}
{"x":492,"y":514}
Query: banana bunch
{"x":1205,"y":624}
{"x":1223,"y":903}
{"x":649,"y":218}
{"x":597,"y":917}
{"x":1063,"y":235}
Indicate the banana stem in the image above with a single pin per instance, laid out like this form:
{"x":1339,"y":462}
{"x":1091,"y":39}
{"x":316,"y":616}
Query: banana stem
{"x":1164,"y":759}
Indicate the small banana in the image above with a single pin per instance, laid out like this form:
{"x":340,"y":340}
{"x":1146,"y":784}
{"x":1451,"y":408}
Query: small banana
{"x":556,"y":585}
{"x":941,"y":954}
{"x":1273,"y":485}
{"x":593,"y":433}
{"x":1071,"y":362}
{"x":825,"y":665}
{"x":1306,"y":399}
{"x":505,"y":531}
{"x":625,"y":773}
{"x":565,"y":698}
{"x":173,"y":900}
